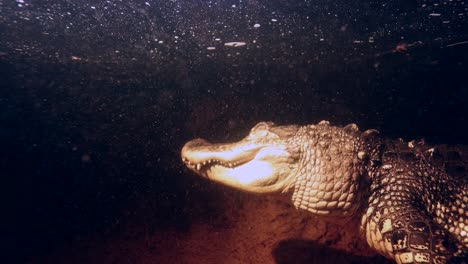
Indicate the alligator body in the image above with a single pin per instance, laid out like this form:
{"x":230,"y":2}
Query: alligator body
{"x":409,"y":198}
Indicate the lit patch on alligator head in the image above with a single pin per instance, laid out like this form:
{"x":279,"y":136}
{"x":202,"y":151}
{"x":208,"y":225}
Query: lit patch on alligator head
{"x":261,"y":162}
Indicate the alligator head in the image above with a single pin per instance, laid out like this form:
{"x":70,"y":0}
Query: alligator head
{"x":261,"y":162}
{"x":322,"y":165}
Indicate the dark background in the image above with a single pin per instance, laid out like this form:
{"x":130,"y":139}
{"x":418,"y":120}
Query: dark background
{"x":97,"y":98}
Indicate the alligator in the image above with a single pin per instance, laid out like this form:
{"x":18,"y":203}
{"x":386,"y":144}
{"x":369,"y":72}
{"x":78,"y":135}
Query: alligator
{"x":410,"y":203}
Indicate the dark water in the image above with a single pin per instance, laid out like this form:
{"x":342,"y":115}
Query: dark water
{"x":97,"y":98}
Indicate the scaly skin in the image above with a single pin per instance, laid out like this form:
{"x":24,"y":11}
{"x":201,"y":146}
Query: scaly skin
{"x":410,"y":208}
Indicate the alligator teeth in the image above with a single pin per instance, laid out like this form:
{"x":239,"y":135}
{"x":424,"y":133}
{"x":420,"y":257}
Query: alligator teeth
{"x":210,"y":163}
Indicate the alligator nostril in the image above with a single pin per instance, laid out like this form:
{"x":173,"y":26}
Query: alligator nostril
{"x":196,"y":142}
{"x":192,"y":145}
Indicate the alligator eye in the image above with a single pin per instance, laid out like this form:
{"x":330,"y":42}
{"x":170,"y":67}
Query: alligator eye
{"x":262,"y":126}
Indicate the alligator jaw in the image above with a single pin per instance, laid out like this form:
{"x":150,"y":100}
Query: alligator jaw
{"x":199,"y":155}
{"x":246,"y":165}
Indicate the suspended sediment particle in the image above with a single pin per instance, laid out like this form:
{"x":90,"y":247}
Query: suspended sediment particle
{"x":234,"y":44}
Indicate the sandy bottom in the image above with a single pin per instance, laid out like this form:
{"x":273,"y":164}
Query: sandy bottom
{"x":252,"y":229}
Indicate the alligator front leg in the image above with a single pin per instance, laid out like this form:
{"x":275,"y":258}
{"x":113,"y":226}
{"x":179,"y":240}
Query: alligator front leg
{"x":405,"y":235}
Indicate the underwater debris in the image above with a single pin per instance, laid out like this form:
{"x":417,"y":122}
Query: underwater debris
{"x":235,"y":44}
